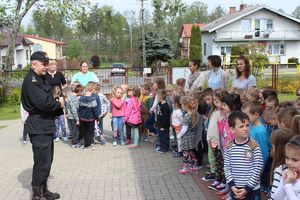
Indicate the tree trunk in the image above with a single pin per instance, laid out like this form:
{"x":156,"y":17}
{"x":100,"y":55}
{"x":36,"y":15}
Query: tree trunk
{"x":11,"y":52}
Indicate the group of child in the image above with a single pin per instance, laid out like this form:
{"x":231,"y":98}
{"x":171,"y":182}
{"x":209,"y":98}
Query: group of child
{"x":253,"y":141}
{"x":248,"y":136}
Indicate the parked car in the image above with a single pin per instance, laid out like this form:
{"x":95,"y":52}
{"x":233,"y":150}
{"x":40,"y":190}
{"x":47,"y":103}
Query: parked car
{"x":118,"y":69}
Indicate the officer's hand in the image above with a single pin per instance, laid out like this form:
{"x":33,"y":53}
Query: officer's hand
{"x":62,"y":102}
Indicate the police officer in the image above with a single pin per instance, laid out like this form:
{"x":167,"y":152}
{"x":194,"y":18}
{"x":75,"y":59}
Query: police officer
{"x":42,"y":108}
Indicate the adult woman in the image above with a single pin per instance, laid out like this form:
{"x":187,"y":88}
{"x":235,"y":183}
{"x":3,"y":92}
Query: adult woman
{"x":244,"y":79}
{"x":196,"y":79}
{"x":54,"y":77}
{"x":217,"y":77}
{"x":84,"y":76}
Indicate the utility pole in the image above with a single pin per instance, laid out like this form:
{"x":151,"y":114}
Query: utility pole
{"x":143,"y":34}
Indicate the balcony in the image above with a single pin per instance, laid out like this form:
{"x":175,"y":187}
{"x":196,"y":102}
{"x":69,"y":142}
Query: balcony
{"x":256,"y":35}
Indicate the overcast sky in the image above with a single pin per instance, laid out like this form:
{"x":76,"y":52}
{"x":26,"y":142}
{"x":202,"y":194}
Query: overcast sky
{"x":124,"y":5}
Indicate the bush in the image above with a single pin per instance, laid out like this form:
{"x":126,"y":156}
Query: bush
{"x":14,"y":97}
{"x":285,"y":84}
{"x":179,"y":62}
{"x":293,"y":60}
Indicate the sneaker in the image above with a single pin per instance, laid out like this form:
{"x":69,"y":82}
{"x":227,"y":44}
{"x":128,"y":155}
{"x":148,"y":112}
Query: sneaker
{"x":221,"y":186}
{"x":24,"y":142}
{"x":214,"y":185}
{"x":78,"y":145}
{"x":183,"y":171}
{"x":56,"y":139}
{"x":91,"y":147}
{"x":123,"y":143}
{"x":209,"y":177}
{"x":115,"y":143}
{"x":65,"y":139}
{"x":178,"y":154}
{"x":103,"y":143}
{"x":157,"y":148}
{"x":128,"y":142}
{"x":98,"y":140}
{"x":193,"y":169}
{"x":145,"y":139}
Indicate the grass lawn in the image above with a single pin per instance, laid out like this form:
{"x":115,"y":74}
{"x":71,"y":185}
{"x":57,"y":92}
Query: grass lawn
{"x":286,"y":97}
{"x":8,"y":112}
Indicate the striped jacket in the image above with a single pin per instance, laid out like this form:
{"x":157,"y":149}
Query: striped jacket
{"x":243,"y":164}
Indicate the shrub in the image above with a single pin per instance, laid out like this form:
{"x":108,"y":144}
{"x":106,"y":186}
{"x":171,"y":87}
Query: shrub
{"x":293,"y":60}
{"x":285,"y":84}
{"x":179,"y":62}
{"x":14,"y":97}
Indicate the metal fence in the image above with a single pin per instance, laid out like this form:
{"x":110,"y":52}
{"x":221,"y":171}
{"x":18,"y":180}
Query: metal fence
{"x":139,"y":75}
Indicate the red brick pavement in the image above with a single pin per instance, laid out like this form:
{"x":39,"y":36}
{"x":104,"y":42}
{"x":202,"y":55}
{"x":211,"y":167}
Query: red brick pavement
{"x":203,"y":185}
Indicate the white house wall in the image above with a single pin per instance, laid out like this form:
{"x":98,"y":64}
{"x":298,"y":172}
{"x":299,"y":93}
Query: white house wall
{"x":207,"y":38}
{"x":282,"y":27}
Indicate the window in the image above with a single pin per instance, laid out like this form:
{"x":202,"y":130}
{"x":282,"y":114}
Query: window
{"x":276,"y":49}
{"x":37,"y":47}
{"x":225,"y":50}
{"x":204,"y":49}
{"x":263,"y":25}
{"x":246,"y":24}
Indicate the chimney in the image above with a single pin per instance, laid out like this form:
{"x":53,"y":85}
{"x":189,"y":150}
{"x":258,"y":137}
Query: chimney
{"x":242,"y":6}
{"x":231,"y":10}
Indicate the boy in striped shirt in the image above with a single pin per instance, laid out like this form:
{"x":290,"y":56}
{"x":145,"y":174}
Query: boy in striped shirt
{"x":242,"y":160}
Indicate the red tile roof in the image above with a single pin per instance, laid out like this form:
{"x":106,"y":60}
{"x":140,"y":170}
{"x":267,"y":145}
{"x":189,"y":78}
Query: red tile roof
{"x":44,"y":39}
{"x":186,"y":30}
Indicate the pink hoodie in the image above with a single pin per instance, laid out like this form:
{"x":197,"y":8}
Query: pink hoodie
{"x":133,"y":111}
{"x":118,"y":107}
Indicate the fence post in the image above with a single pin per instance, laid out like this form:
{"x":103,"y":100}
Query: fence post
{"x":170,"y":75}
{"x":126,"y":75}
{"x":275,"y":77}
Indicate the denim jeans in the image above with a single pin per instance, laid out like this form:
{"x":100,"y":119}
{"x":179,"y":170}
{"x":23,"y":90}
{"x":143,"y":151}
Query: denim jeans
{"x":150,"y":122}
{"x":118,"y":126}
{"x":60,"y":124}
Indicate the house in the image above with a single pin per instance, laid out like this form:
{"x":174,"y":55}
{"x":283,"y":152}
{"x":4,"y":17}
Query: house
{"x":26,"y":45}
{"x":277,"y":31}
{"x":185,"y":37}
{"x":22,"y":49}
{"x":52,"y":47}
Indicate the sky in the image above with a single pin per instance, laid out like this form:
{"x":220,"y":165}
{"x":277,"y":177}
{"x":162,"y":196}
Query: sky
{"x":125,"y":5}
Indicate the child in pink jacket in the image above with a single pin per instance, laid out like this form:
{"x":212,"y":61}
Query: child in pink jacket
{"x":118,"y":107}
{"x":133,"y":114}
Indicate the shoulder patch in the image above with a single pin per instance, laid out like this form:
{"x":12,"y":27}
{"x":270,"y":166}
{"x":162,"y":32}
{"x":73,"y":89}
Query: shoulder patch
{"x":253,"y":144}
{"x":33,"y":79}
{"x":229,"y":144}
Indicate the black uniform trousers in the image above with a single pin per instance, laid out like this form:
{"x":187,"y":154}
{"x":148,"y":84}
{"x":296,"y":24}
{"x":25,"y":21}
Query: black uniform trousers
{"x":42,"y":148}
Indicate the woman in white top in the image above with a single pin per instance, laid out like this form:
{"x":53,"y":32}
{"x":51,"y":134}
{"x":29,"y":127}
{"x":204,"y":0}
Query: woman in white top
{"x":244,"y":79}
{"x":196,"y":79}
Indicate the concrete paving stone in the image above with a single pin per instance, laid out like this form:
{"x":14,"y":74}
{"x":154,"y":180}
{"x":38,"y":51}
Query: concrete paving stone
{"x":106,"y":173}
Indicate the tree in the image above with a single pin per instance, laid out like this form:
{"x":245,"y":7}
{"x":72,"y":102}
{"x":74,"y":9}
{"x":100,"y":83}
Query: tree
{"x":13,"y":11}
{"x":159,"y":16}
{"x":158,"y":47}
{"x":296,"y":12}
{"x":254,"y":52}
{"x":54,"y":27}
{"x":195,"y":44}
{"x":216,"y":13}
{"x":75,"y":49}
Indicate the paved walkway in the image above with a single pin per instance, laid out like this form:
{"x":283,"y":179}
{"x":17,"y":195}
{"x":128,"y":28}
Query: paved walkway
{"x":108,"y":173}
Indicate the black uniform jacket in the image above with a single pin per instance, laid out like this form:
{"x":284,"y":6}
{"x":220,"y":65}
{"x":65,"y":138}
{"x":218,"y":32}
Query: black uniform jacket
{"x":38,"y":101}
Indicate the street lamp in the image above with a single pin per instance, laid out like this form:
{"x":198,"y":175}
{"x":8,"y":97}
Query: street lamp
{"x":130,"y":33}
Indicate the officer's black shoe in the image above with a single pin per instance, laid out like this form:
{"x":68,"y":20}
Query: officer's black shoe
{"x":37,"y":193}
{"x":49,"y":195}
